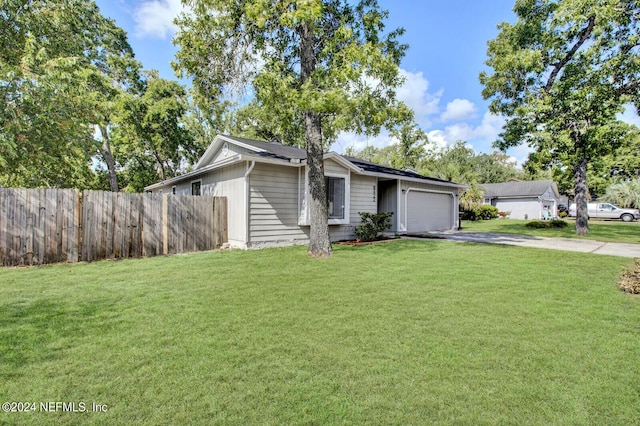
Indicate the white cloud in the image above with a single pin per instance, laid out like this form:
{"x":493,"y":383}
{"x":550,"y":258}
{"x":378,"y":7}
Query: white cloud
{"x":481,"y":136}
{"x":360,"y":142}
{"x":459,"y":110}
{"x":154,"y":18}
{"x":415,"y":93}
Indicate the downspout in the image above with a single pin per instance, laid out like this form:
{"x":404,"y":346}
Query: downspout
{"x":247,"y":193}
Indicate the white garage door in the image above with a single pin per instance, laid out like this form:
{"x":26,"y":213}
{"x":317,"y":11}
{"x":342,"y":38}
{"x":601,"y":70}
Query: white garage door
{"x":429,"y":211}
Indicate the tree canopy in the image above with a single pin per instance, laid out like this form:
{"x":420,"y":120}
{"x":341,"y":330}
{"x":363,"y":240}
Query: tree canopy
{"x":52,"y":54}
{"x":560,"y":75}
{"x":319,"y":67}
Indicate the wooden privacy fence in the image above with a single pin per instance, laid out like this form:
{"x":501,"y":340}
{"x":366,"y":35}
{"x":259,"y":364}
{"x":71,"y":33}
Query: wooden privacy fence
{"x":40,"y":226}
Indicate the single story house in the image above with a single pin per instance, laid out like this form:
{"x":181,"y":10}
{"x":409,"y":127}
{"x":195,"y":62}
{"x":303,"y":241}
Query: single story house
{"x":537,"y":199}
{"x":266,"y":185}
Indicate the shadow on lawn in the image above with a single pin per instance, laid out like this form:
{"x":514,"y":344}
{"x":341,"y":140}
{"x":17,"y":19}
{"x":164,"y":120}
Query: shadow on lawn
{"x":40,"y":330}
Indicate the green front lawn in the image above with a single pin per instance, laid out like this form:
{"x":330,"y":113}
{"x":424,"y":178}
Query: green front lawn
{"x":402,"y":332}
{"x":601,"y":230}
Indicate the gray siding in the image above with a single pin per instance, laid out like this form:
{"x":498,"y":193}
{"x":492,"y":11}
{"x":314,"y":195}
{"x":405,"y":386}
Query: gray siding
{"x":331,"y":166}
{"x":388,"y":200}
{"x":273,"y":213}
{"x":232,"y":151}
{"x":363,"y":198}
{"x":226,"y":182}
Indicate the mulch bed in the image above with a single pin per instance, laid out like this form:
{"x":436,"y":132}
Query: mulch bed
{"x":630,"y":279}
{"x":364,"y":243}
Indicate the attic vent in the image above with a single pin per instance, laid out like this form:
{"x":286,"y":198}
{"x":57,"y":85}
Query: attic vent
{"x":275,"y":143}
{"x":411,"y":170}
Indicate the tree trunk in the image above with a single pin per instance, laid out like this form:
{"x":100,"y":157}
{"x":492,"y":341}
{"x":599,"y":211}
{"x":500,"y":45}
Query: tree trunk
{"x":319,"y":241}
{"x":108,"y":158}
{"x":581,"y":193}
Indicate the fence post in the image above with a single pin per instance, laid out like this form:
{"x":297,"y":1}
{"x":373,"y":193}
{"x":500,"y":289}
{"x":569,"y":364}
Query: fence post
{"x":165,"y":224}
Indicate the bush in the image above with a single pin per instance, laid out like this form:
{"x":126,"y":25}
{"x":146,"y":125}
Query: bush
{"x":484,"y":212}
{"x":558,"y":224}
{"x":372,"y":224}
{"x":540,"y":224}
{"x":563,"y":215}
{"x":537,"y":224}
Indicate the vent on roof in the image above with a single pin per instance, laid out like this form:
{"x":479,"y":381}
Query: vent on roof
{"x":275,"y":143}
{"x":410,"y":170}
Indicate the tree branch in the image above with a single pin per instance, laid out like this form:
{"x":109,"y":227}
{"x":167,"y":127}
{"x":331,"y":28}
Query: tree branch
{"x":584,"y":35}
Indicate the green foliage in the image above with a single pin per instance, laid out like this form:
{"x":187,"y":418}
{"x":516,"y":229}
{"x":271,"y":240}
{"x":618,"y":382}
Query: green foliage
{"x":624,"y":194}
{"x":372,"y":225}
{"x":472,"y":198}
{"x":560,"y":75}
{"x":545,"y":224}
{"x":231,"y":47}
{"x":54,"y":57}
{"x":458,"y":163}
{"x":482,"y":212}
{"x":151,"y":130}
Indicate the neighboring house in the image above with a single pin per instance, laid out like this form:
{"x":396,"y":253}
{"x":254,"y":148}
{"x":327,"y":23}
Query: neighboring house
{"x":266,"y":186}
{"x":537,"y":199}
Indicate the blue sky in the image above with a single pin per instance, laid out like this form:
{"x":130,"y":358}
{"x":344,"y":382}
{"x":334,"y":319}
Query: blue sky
{"x":447,"y":48}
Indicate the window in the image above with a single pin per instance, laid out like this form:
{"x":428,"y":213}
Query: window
{"x":195,"y":187}
{"x":173,"y":190}
{"x":335,"y":197}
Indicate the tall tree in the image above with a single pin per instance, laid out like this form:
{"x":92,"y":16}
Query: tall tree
{"x":50,"y":55}
{"x":324,"y":64}
{"x":150,"y":127}
{"x":410,"y":147}
{"x":560,"y":75}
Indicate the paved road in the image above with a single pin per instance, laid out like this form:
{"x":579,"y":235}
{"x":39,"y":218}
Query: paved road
{"x":566,"y":244}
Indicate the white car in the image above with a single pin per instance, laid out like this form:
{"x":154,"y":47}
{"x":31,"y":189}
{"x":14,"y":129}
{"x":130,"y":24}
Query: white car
{"x":607,"y":211}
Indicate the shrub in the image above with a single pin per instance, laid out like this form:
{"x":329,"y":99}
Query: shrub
{"x":487,"y":212}
{"x":630,"y":279}
{"x":563,"y":215}
{"x":372,"y":224}
{"x":558,"y":224}
{"x":484,"y":212}
{"x":545,"y":224}
{"x":537,"y":224}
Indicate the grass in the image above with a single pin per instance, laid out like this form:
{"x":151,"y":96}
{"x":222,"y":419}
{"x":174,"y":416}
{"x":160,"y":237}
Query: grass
{"x":402,"y":332}
{"x":601,"y":230}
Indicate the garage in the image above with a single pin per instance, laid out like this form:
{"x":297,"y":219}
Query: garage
{"x":429,"y":211}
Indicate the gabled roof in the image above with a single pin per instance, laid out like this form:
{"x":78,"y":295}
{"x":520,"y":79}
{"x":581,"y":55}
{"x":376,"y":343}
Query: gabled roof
{"x":291,"y":155}
{"x":532,"y":188}
{"x":377,"y":168}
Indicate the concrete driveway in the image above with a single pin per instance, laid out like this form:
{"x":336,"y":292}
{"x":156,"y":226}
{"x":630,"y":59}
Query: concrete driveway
{"x":566,"y":244}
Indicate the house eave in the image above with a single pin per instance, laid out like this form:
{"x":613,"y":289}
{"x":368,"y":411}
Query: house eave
{"x":226,"y":162}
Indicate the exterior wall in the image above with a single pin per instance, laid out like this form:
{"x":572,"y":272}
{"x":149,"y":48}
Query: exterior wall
{"x":226,"y":182}
{"x":331,"y":166}
{"x":275,"y":197}
{"x":531,"y":208}
{"x":402,"y":199}
{"x":273,"y":212}
{"x":364,"y":198}
{"x":388,"y":200}
{"x":549,"y":202}
{"x":231,"y":151}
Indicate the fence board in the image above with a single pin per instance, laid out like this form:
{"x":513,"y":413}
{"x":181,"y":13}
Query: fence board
{"x":40,"y":226}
